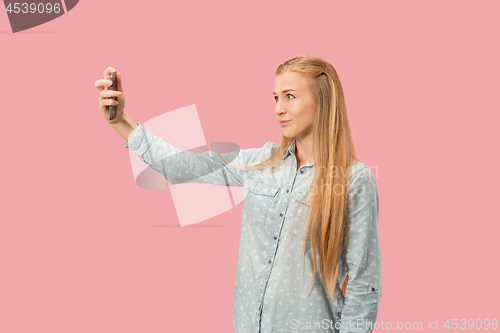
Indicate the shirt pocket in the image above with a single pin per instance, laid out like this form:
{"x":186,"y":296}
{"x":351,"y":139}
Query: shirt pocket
{"x":259,"y":200}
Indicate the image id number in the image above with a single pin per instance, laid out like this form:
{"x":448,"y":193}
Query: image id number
{"x":33,"y":8}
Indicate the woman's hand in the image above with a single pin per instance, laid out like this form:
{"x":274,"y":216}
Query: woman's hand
{"x":104,"y":101}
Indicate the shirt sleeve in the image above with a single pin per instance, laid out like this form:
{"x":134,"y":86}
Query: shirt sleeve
{"x":178,"y":166}
{"x":364,"y":287}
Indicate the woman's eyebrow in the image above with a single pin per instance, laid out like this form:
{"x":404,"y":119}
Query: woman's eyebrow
{"x":284,"y":91}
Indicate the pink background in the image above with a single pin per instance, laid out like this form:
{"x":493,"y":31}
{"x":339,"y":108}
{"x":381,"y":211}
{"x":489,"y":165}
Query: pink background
{"x":83,"y":249}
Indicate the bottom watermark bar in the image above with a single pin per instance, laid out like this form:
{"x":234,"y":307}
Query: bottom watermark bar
{"x":330,"y":324}
{"x":361,"y":324}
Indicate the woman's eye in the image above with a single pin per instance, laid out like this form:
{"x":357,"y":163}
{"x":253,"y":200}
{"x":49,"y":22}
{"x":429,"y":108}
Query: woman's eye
{"x":276,"y":97}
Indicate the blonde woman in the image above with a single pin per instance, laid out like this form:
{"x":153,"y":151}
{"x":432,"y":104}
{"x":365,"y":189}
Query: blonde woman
{"x":309,"y":254}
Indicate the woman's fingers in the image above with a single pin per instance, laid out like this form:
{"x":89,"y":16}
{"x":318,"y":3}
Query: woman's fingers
{"x":102,"y":84}
{"x":109,"y":101}
{"x":110,"y":93}
{"x":108,"y":71}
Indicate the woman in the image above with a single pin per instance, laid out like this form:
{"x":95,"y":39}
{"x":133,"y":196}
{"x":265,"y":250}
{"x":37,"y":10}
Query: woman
{"x":306,"y":197}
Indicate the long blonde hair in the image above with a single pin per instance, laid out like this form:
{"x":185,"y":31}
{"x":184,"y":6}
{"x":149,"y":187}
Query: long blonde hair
{"x":334,"y":156}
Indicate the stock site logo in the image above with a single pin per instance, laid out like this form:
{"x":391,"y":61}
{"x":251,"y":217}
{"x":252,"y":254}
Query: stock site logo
{"x":29,"y":14}
{"x":194,"y":202}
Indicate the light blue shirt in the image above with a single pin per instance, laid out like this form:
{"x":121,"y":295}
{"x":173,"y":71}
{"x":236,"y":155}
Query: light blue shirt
{"x":271,"y":290}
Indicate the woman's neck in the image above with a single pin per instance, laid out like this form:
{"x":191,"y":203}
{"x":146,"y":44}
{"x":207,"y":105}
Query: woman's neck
{"x":303,"y":151}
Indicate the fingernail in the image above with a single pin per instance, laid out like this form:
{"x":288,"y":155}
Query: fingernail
{"x":110,"y":82}
{"x":112,"y":69}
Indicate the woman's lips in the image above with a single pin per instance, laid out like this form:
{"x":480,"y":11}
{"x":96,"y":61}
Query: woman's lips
{"x":284,"y":122}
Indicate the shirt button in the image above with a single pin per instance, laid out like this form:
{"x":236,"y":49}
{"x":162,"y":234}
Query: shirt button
{"x":301,"y":171}
{"x":281,"y":214}
{"x":287,"y":191}
{"x":275,"y":237}
{"x":269,"y":261}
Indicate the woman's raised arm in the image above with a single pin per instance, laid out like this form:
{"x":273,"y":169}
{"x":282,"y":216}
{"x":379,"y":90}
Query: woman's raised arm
{"x":175,"y":165}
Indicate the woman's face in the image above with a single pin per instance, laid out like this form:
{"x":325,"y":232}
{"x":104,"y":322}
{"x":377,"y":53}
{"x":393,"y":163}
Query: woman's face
{"x":294,"y":102}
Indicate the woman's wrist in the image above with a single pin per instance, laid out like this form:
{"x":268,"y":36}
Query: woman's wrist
{"x":124,"y":126}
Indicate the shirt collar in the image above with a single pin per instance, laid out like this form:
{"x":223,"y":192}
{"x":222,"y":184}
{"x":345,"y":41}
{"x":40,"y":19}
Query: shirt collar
{"x":291,"y":150}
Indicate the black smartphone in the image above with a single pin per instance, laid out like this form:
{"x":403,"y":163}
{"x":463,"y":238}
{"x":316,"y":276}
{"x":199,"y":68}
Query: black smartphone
{"x":112,"y":78}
